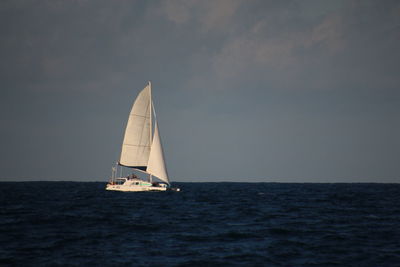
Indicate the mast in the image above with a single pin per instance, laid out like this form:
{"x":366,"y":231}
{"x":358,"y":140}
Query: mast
{"x":151,"y":124}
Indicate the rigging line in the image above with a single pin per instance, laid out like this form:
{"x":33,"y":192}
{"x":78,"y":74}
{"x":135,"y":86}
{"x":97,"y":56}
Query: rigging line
{"x":154,"y":111}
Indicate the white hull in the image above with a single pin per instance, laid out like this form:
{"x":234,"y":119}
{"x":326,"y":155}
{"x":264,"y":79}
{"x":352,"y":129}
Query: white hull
{"x":134,"y":188}
{"x":134,"y":185}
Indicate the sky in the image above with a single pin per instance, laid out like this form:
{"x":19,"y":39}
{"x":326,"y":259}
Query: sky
{"x":244,"y":90}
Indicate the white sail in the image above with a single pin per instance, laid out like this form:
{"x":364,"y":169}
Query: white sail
{"x":136,"y":145}
{"x":156,"y":165}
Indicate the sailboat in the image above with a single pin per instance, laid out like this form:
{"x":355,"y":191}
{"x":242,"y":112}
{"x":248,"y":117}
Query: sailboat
{"x":142,"y":151}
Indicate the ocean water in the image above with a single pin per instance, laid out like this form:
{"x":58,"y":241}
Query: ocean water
{"x":206,"y":224}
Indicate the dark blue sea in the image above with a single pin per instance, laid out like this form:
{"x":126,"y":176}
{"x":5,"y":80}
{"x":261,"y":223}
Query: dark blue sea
{"x":206,"y":224}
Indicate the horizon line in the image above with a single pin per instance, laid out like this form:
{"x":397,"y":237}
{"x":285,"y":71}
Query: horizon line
{"x":253,"y":182}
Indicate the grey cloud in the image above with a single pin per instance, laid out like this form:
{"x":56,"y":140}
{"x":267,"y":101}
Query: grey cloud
{"x":295,"y":50}
{"x":209,"y":15}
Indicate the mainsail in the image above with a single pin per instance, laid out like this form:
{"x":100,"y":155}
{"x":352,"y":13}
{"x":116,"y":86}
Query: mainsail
{"x":136,"y":145}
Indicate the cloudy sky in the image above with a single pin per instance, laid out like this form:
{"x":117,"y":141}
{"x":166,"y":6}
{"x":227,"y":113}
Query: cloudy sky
{"x":300,"y":91}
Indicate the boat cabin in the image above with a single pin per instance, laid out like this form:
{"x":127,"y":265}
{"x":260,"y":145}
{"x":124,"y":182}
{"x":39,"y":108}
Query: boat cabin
{"x":120,"y":181}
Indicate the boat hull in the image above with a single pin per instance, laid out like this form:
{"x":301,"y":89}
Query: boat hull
{"x":134,"y":188}
{"x":134,"y":185}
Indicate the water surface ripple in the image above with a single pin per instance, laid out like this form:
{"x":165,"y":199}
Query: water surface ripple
{"x":208,"y":224}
